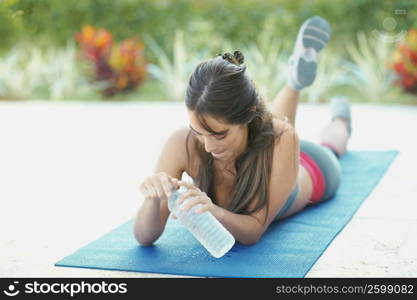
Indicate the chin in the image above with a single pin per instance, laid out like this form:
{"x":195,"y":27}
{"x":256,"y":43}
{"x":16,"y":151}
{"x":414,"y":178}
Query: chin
{"x":222,"y":157}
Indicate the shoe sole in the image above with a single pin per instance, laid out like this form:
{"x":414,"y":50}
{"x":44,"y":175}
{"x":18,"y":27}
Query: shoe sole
{"x":315,"y":34}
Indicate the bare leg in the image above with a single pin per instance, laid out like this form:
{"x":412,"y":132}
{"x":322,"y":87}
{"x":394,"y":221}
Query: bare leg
{"x":285,"y":104}
{"x":336,"y":135}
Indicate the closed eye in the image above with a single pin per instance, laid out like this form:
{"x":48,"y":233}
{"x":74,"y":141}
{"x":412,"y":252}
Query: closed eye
{"x":219,"y":136}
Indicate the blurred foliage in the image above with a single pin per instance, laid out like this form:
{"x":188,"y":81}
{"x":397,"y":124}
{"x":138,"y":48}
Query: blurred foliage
{"x":268,"y":51}
{"x":174,"y":72}
{"x":122,"y":66}
{"x":31,"y":73}
{"x":11,"y":25}
{"x":237,"y":21}
{"x":369,"y":69}
{"x":405,"y":62}
{"x":264,"y":31}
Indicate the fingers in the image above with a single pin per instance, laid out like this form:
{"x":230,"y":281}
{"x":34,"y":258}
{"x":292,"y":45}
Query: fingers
{"x":187,"y":185}
{"x":166,"y":183}
{"x":174,"y":181}
{"x":148,"y":191}
{"x":145,"y":192}
{"x":187,"y":194}
{"x":159,"y":185}
{"x":202,"y":208}
{"x":192,"y":202}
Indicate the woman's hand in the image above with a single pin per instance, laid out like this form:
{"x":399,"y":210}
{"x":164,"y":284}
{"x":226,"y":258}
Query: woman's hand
{"x":158,"y":186}
{"x":198,"y":196}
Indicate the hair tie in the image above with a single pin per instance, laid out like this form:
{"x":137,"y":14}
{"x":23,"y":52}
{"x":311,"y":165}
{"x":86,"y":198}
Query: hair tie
{"x":239,"y":57}
{"x":236,"y":58}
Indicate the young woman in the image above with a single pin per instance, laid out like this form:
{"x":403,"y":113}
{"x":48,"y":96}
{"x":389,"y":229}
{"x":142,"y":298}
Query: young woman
{"x":248,"y":165}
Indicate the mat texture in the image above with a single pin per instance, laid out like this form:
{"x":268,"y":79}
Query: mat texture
{"x":289,"y":248}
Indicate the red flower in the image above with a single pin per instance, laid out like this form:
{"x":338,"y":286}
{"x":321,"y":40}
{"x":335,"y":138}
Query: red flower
{"x":122,"y":66}
{"x":400,"y":68}
{"x":408,"y":81}
{"x":405,"y":62}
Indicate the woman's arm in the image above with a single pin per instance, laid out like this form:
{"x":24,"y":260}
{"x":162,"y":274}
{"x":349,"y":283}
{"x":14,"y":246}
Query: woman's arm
{"x":245,"y":229}
{"x":152,"y":216}
{"x":150,"y":221}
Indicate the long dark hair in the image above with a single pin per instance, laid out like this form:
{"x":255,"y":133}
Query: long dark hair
{"x":220,"y":88}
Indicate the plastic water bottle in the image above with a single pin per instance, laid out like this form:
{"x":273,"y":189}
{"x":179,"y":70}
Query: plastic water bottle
{"x":204,"y":226}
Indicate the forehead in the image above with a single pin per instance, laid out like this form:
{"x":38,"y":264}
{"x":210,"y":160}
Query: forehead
{"x":216,"y":124}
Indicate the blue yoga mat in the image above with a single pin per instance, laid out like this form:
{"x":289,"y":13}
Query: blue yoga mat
{"x":289,"y":247}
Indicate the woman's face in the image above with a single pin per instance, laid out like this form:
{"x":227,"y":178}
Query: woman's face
{"x":230,"y":141}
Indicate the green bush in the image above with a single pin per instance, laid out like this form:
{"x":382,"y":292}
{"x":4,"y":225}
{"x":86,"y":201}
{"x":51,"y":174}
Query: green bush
{"x":10,"y":24}
{"x":238,"y":21}
{"x":56,"y":74}
{"x":209,"y":27}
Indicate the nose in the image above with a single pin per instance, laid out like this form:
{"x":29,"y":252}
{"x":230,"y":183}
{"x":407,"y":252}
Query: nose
{"x":210,"y":144}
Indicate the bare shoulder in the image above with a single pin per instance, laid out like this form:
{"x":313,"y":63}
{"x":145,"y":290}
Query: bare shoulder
{"x":283,"y":129}
{"x":173,"y":157}
{"x":179,"y":136}
{"x":286,"y":150}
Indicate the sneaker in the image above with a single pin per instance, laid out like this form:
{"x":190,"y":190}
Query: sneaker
{"x":340,"y":108}
{"x":313,"y":36}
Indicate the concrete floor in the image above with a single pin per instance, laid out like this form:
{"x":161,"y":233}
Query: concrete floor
{"x":70,"y":172}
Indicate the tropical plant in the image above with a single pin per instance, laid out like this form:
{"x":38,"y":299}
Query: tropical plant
{"x":61,"y":76}
{"x":121,"y":66}
{"x":369,"y":72}
{"x":14,"y":82}
{"x":267,"y":61}
{"x":174,"y":73}
{"x":128,"y":61}
{"x":27,"y":73}
{"x":405,"y":62}
{"x":264,"y":58}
